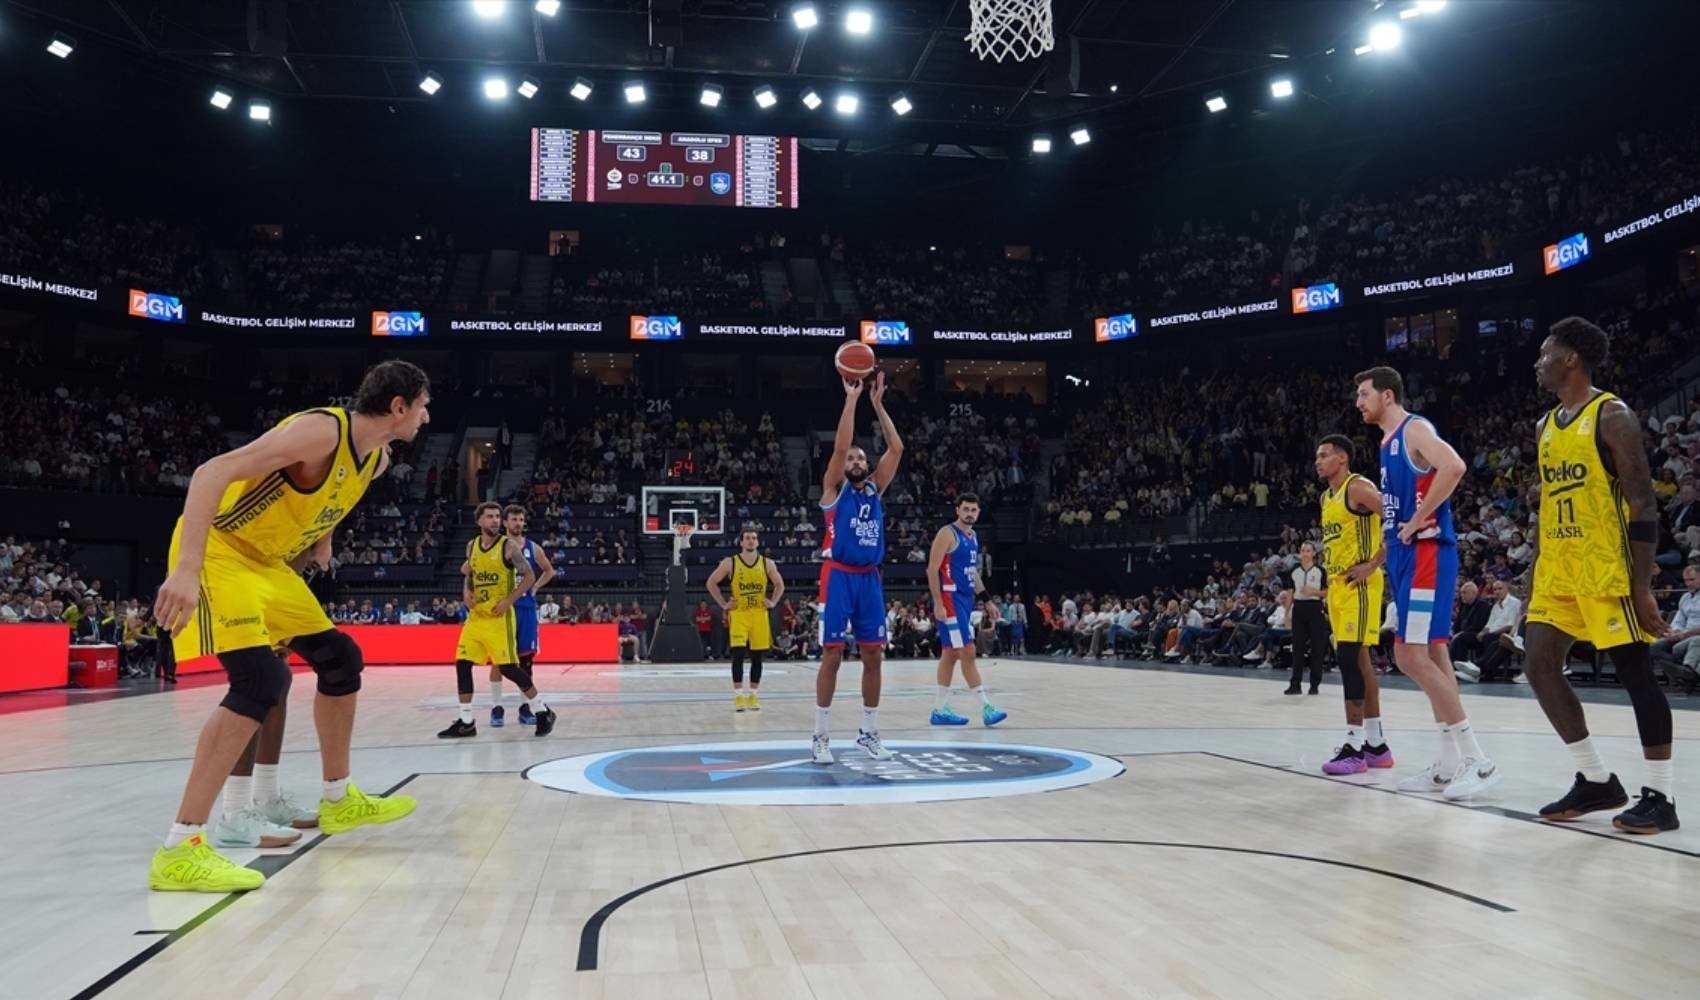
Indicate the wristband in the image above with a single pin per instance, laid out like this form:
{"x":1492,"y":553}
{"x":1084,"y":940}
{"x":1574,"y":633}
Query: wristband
{"x":1643,"y":531}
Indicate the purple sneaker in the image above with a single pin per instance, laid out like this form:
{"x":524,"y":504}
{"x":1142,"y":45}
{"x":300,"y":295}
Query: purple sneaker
{"x":1378,"y":757}
{"x":1349,"y":760}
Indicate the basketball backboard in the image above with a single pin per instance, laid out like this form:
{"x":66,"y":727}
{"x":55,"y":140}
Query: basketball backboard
{"x":702,"y":506}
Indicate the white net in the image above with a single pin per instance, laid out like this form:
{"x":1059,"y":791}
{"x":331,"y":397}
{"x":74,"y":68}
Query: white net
{"x":1009,"y":29}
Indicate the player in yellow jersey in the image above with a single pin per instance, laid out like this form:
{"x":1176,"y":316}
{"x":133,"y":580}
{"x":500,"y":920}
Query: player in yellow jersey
{"x":231,"y":593}
{"x":1593,"y":577}
{"x":497,"y":574}
{"x":749,"y":625}
{"x":1352,"y":556}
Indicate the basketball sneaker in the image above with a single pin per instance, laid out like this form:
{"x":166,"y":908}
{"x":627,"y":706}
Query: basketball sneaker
{"x":1474,"y":776}
{"x":357,"y":809}
{"x":249,"y":829}
{"x":1378,"y":756}
{"x":821,"y":748}
{"x":459,"y":730}
{"x":193,"y":866}
{"x":1585,"y":797}
{"x":526,"y":717}
{"x":753,"y":702}
{"x":1651,"y":813}
{"x":1347,"y":760}
{"x":1429,"y":779}
{"x":945,"y":717}
{"x":498,"y":717}
{"x":991,"y":715}
{"x":738,"y":702}
{"x":283,"y":811}
{"x":545,"y":722}
{"x":871,"y":743}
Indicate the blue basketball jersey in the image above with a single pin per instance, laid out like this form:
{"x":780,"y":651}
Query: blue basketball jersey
{"x":1403,"y":486}
{"x":960,"y":573}
{"x":855,"y":527}
{"x":528,"y":549}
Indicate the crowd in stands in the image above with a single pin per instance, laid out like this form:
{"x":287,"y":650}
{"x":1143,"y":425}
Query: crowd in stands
{"x":41,"y":585}
{"x":309,"y":275}
{"x":67,"y":236}
{"x":707,"y":282}
{"x":986,"y":287}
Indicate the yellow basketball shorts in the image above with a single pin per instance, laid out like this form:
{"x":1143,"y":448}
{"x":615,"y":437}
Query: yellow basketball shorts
{"x":245,"y":602}
{"x":489,"y":640}
{"x":1603,"y":622}
{"x":1354,"y":612}
{"x":749,"y":627}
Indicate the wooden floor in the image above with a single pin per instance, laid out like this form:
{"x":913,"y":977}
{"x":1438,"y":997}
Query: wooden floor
{"x":1221,"y":863}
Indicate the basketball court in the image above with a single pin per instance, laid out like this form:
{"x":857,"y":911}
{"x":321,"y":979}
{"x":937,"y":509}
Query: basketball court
{"x":1125,"y":833}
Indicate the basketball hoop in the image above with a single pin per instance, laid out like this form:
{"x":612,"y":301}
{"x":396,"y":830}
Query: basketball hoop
{"x":681,"y":539}
{"x":1016,"y":29}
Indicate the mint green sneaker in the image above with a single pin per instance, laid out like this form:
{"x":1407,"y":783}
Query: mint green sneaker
{"x":991,"y":715}
{"x":249,"y":829}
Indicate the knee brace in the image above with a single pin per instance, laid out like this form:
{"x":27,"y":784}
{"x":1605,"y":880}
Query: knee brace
{"x":519,"y":675}
{"x":463,"y":676}
{"x":335,"y":658}
{"x":1634,"y":665}
{"x":755,"y":666}
{"x":1347,"y":655}
{"x":258,"y":680}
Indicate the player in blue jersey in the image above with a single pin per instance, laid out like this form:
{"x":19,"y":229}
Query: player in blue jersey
{"x":1419,"y":471}
{"x":851,"y":593}
{"x":953,"y":573}
{"x":525,"y":615}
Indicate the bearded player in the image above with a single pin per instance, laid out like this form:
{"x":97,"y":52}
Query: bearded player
{"x":525,"y":614}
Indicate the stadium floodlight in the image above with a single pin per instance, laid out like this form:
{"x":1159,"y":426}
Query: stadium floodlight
{"x":61,"y":44}
{"x":488,"y":9}
{"x":1115,"y":87}
{"x":548,"y":8}
{"x":528,"y":87}
{"x":711,"y":94}
{"x":811,"y":100}
{"x":1042,"y":142}
{"x":859,"y":21}
{"x":1363,"y":50}
{"x":847,"y":103}
{"x":431,"y":83}
{"x":496,"y":88}
{"x":1410,"y":12}
{"x":222,"y":99}
{"x":804,"y":16}
{"x":260,"y":111}
{"x":1431,"y":6}
{"x":581,"y":89}
{"x":1080,"y":136}
{"x":901,"y":104}
{"x":1281,"y":88}
{"x":635,"y":94}
{"x":1216,"y":101}
{"x":1385,"y":36}
{"x":765,"y":97}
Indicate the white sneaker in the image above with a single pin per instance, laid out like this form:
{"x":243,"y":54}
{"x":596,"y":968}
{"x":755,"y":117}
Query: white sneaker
{"x":822,"y":749}
{"x":1252,"y":656}
{"x":1429,"y":780}
{"x":1466,"y":671}
{"x":871,"y":743}
{"x":282,"y":811}
{"x":1522,"y":678}
{"x":249,"y":829}
{"x":1475,"y":775}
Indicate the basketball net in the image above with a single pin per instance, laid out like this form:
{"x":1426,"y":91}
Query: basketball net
{"x":681,"y":539}
{"x":1013,"y":29}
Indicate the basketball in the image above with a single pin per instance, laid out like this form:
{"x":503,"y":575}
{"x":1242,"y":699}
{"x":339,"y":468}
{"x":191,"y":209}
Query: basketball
{"x":855,"y":360}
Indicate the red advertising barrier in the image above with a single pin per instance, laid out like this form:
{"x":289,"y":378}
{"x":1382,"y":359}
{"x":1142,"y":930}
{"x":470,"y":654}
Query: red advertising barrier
{"x":94,"y":666}
{"x":428,"y":645}
{"x":37,"y":656}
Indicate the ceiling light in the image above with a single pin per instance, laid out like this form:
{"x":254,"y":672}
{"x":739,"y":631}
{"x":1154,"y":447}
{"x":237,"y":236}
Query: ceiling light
{"x":260,"y":111}
{"x":221,"y":98}
{"x":811,"y":100}
{"x":859,"y":21}
{"x":846,"y":104}
{"x":1217,"y":102}
{"x":1385,"y":35}
{"x":488,"y":8}
{"x":1431,"y":6}
{"x":711,"y":94}
{"x":1042,"y":142}
{"x":548,"y":8}
{"x":1080,"y":135}
{"x":635,"y":94}
{"x":581,"y":89}
{"x":1363,"y":50}
{"x":804,"y":16}
{"x":1409,"y":12}
{"x":901,"y":104}
{"x":1281,"y":88}
{"x":528,"y":87}
{"x":765,"y":97}
{"x":496,"y":89}
{"x":61,"y":44}
{"x":1115,"y":87}
{"x":431,"y":83}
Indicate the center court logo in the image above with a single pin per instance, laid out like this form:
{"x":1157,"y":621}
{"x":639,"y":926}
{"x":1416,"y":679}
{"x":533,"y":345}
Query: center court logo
{"x":398,"y":324}
{"x":1568,"y":252}
{"x":1316,"y":298}
{"x":657,"y":328}
{"x":890,"y":332}
{"x":779,"y":772}
{"x":1108,"y":328}
{"x":152,"y":305}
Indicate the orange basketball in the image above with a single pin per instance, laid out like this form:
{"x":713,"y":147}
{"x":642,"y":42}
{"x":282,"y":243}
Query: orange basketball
{"x":855,"y":360}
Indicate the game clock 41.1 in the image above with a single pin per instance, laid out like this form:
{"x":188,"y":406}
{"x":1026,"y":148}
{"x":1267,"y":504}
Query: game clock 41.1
{"x":638,"y":166}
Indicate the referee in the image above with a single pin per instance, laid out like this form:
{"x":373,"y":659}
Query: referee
{"x":1310,"y":625}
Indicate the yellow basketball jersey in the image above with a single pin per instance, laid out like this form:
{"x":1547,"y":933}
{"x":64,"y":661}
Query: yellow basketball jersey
{"x":749,"y":583}
{"x":492,"y":576}
{"x":1348,"y":537}
{"x":1583,"y":518}
{"x":273,"y":517}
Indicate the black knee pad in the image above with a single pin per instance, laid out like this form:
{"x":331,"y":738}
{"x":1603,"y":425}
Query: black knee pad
{"x":335,"y":658}
{"x":1348,"y":656}
{"x":258,"y":680}
{"x":518,"y":674}
{"x":1634,"y":664}
{"x":463,"y":676}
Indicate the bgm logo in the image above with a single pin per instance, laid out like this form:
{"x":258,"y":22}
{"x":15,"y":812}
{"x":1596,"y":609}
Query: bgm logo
{"x":780,"y":772}
{"x":398,"y":324}
{"x":890,"y":332}
{"x":1316,"y":298}
{"x":1568,"y":252}
{"x":154,"y":306}
{"x":657,"y":328}
{"x":1108,"y":328}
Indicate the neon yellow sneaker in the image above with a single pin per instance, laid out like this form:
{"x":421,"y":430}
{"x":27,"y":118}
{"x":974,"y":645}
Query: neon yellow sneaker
{"x":356,"y":808}
{"x":753,"y":703}
{"x":193,"y":866}
{"x":738,"y":700}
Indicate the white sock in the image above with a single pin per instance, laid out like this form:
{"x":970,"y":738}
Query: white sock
{"x":1354,"y":736}
{"x":942,"y":702}
{"x":539,"y":708}
{"x":1659,"y":776}
{"x":738,"y":688}
{"x":984,"y":700}
{"x":466,"y":713}
{"x":1588,"y":760}
{"x":335,"y":791}
{"x":1450,"y":758}
{"x":820,"y":720}
{"x":1466,"y":737}
{"x":265,"y":782}
{"x":181,"y":832}
{"x":870,"y":719}
{"x":238,"y":792}
{"x":1373,"y":733}
{"x":495,"y":692}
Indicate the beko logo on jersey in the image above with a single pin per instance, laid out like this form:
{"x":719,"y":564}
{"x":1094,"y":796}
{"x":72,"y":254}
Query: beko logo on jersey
{"x":1330,"y":532}
{"x":1573,"y":472}
{"x":152,"y":305}
{"x":1316,"y":298}
{"x":398,"y":324}
{"x":486,"y":578}
{"x":1568,"y":252}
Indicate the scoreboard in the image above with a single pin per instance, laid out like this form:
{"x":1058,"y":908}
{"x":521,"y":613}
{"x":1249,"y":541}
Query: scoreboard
{"x":640,"y":167}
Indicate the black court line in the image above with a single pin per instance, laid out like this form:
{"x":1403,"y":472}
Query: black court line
{"x":269,"y":866}
{"x":1527,"y":817}
{"x":591,"y":937}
